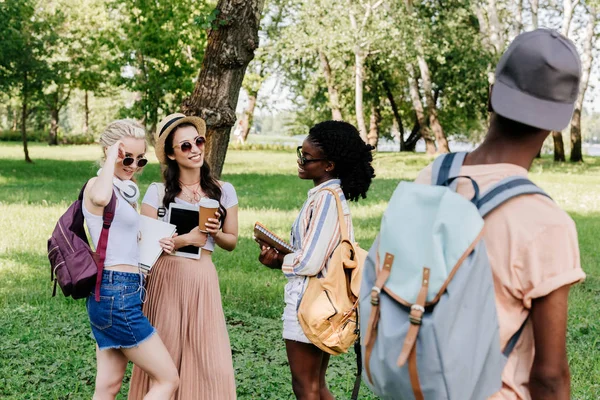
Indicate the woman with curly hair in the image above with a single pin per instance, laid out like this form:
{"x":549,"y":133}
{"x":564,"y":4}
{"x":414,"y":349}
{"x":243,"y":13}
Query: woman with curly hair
{"x":332,"y":156}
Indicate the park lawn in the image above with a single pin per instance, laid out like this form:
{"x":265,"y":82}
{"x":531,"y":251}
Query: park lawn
{"x":46,"y":349}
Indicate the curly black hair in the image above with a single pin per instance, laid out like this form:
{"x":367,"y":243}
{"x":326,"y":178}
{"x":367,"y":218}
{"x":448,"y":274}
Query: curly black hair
{"x":341,"y":144}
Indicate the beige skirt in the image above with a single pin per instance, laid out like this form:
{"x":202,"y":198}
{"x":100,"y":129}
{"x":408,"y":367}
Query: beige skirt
{"x":184,"y":305}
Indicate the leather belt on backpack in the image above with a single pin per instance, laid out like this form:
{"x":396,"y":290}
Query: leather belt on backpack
{"x":409,"y":349}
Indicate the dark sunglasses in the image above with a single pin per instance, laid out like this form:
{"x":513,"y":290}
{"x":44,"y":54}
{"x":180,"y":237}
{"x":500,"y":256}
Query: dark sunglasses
{"x":186,"y":146}
{"x":127,"y":161}
{"x":303,"y":160}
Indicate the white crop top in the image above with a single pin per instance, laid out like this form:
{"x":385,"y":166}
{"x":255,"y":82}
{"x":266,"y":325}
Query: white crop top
{"x":228,"y":200}
{"x":122,"y":246}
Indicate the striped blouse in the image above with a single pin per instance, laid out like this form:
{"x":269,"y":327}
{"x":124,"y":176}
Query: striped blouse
{"x":316,"y":232}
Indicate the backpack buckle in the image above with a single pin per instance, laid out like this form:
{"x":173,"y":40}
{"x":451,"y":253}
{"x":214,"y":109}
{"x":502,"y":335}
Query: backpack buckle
{"x":375,"y":291}
{"x":416,"y":313}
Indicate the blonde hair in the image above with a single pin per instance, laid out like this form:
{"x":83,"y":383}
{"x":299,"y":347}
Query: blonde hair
{"x":121,"y":128}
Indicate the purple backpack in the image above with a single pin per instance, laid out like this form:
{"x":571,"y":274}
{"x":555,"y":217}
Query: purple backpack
{"x":73,"y":264}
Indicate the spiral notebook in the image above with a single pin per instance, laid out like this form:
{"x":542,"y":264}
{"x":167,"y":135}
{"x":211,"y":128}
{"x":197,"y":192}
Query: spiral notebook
{"x":263,"y":234}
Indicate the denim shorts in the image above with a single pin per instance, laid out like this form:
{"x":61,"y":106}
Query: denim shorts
{"x":117,"y":320}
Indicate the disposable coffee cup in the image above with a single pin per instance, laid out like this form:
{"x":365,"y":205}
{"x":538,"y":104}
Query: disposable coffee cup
{"x":208,"y":208}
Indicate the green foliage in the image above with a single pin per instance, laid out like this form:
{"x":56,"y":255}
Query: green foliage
{"x":452,"y":48}
{"x":43,"y":136}
{"x":23,"y":38}
{"x":161,"y":46}
{"x":47,"y":352}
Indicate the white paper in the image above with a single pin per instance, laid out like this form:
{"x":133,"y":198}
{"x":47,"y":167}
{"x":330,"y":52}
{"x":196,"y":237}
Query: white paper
{"x":151,"y":231}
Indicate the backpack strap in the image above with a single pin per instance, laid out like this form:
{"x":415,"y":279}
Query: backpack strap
{"x":447,"y":166}
{"x":161,"y":211}
{"x":499,"y":194}
{"x":512,"y":342}
{"x":107,"y":218}
{"x":340,"y":209}
{"x":358,"y":352}
{"x":505,"y":190}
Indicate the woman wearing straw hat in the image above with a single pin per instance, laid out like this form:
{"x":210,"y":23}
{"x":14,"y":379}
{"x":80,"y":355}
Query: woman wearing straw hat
{"x":184,"y":300}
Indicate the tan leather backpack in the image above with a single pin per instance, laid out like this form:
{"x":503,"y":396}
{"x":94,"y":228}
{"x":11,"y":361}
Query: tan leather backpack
{"x":328,"y":311}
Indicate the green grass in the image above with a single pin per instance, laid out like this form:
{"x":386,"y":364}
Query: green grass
{"x":47,"y":352}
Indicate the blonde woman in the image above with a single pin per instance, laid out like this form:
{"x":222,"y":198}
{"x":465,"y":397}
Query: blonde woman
{"x":184,"y":300}
{"x":121,"y":330}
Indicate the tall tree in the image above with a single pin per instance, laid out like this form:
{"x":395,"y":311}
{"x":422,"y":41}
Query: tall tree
{"x":374,"y":121}
{"x":588,"y":58}
{"x":253,"y":80}
{"x":568,"y":7}
{"x":434,"y":121}
{"x":22,"y":54}
{"x":261,"y":67}
{"x":332,"y":90}
{"x":161,"y":45}
{"x":419,"y":110}
{"x":362,"y":47}
{"x":231,"y":45}
{"x":95,"y":53}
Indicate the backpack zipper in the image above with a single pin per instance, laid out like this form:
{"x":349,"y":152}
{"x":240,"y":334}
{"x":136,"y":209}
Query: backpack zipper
{"x":51,"y":250}
{"x":331,"y":302}
{"x":65,"y":236}
{"x":56,"y":266}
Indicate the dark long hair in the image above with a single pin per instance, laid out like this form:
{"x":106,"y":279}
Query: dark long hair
{"x":341,"y":143}
{"x":210,"y":186}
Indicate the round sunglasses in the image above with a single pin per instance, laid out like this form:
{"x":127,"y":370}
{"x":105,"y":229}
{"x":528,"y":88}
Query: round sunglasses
{"x":186,"y":146}
{"x":127,"y":161}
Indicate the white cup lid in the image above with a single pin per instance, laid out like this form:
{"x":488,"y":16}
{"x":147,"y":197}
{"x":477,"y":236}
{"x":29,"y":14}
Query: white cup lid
{"x":208,"y":203}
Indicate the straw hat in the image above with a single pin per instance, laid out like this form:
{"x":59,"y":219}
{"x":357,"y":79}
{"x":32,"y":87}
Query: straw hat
{"x":167,"y":125}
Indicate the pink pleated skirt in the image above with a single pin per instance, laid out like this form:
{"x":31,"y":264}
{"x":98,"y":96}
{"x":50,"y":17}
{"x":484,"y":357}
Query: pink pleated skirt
{"x":184,"y":305}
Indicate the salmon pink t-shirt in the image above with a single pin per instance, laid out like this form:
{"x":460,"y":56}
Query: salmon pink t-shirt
{"x":533,"y":250}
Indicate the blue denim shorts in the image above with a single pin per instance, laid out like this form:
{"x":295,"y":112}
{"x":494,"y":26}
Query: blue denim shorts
{"x":117,"y":320}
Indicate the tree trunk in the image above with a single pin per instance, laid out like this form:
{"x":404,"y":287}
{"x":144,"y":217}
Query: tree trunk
{"x":53,"y":137}
{"x":359,"y":72}
{"x":151,"y":119}
{"x":334,"y":98}
{"x":229,"y":49}
{"x":150,"y":133}
{"x":248,"y":115}
{"x":434,"y":122}
{"x":419,"y":111}
{"x":24,"y":117}
{"x":559,"y":147}
{"x":415,"y":135}
{"x":496,"y":36}
{"x":576,"y":153}
{"x":373,"y":136}
{"x":15,"y":119}
{"x":518,"y":26}
{"x":86,"y":120}
{"x":483,"y":25}
{"x":397,"y":117}
{"x":396,"y":134}
{"x":588,"y":58}
{"x":534,"y":12}
{"x":568,"y":7}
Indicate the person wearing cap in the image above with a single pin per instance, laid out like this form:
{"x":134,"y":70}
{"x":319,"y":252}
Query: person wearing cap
{"x":532,"y":244}
{"x":184,"y":300}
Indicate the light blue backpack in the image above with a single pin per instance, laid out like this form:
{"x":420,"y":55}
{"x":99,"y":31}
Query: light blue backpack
{"x":427,"y":307}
